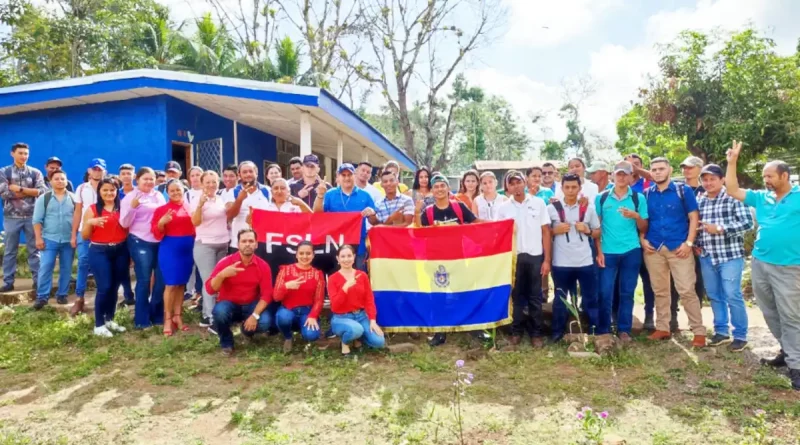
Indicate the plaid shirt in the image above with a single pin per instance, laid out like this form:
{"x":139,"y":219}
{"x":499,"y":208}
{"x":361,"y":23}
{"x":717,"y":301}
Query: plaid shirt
{"x":385,"y":207}
{"x":735,"y":219}
{"x":25,"y":177}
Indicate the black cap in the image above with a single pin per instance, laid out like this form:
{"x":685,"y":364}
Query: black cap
{"x":311,"y":159}
{"x":713,"y":169}
{"x":52,"y":159}
{"x":172,"y":165}
{"x":160,"y":173}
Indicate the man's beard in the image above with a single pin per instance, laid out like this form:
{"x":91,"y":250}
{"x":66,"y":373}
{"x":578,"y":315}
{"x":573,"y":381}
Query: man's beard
{"x":663,"y":181}
{"x":246,"y":251}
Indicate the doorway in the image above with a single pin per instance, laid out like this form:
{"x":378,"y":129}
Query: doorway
{"x":182,"y":154}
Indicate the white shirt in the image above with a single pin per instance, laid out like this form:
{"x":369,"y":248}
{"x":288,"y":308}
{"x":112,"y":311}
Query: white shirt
{"x":529,"y":216}
{"x":588,"y":189}
{"x":487,"y":210}
{"x":286,"y":207}
{"x":86,"y":195}
{"x":375,"y":193}
{"x":256,"y":200}
{"x":192,"y":195}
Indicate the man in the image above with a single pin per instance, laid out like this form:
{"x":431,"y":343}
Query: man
{"x":296,"y":170}
{"x":52,"y":224}
{"x":443,"y":212}
{"x":306,"y":189}
{"x":574,"y":228}
{"x":173,"y":171}
{"x":243,"y":285}
{"x":549,"y":176}
{"x":248,"y":193}
{"x":691,"y":168}
{"x":85,"y":197}
{"x":668,"y":250}
{"x":126,"y":174}
{"x":588,"y":189}
{"x":394,"y":167}
{"x":230,"y":178}
{"x":20,"y":185}
{"x":599,"y":174}
{"x":347,"y":198}
{"x":533,"y":257}
{"x":723,"y":223}
{"x":623,"y":217}
{"x":395,"y":209}
{"x":54,"y":163}
{"x":641,"y":177}
{"x":363,"y":175}
{"x":776,"y":256}
{"x":161,"y":177}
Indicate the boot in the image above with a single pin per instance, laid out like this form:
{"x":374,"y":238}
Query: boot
{"x":77,"y":307}
{"x":660,"y":335}
{"x":699,"y":341}
{"x":649,"y":323}
{"x":794,"y":375}
{"x":775,"y":362}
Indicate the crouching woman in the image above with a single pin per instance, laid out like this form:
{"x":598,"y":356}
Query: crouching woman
{"x":300,"y":288}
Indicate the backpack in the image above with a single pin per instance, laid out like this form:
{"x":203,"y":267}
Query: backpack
{"x":680,"y":188}
{"x":562,"y":215}
{"x":456,"y":209}
{"x":264,"y":191}
{"x":48,"y":195}
{"x":606,"y":193}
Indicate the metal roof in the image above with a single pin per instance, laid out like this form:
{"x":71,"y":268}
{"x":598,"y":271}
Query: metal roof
{"x":512,"y":165}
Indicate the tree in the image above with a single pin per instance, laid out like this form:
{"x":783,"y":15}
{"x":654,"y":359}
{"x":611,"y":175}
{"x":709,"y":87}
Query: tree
{"x":553,"y":150}
{"x":210,"y":50}
{"x":637,"y":134}
{"x":400,"y":34}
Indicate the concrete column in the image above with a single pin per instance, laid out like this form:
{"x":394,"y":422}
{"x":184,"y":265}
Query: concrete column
{"x":305,"y":133}
{"x":364,"y":154}
{"x":339,"y":151}
{"x":235,"y":145}
{"x":328,"y":173}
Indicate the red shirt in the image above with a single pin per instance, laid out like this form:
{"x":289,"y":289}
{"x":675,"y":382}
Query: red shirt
{"x":111,"y":232}
{"x":181,"y":224}
{"x":247,"y":286}
{"x":358,"y":297}
{"x":311,"y":292}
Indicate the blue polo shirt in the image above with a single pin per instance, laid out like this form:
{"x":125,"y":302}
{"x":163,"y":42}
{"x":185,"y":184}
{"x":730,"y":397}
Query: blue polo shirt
{"x":669,"y":220}
{"x":619,"y":234}
{"x":358,"y":200}
{"x":778,"y":236}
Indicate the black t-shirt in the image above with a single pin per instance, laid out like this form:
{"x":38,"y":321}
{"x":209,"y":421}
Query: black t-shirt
{"x":447,"y":216}
{"x":295,"y":188}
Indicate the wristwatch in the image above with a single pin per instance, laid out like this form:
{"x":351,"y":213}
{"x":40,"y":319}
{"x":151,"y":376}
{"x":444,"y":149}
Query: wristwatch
{"x":256,"y":316}
{"x":690,"y":243}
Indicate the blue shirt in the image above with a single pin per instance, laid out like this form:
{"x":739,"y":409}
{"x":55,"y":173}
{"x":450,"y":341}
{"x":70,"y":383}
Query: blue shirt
{"x":56,"y":220}
{"x":619,"y":234}
{"x":639,"y":185}
{"x":358,"y":200}
{"x":545,"y":193}
{"x":669,"y":220}
{"x":778,"y":235}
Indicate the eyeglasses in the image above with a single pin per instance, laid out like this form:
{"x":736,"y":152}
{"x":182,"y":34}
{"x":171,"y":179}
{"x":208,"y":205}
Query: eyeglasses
{"x":548,"y":173}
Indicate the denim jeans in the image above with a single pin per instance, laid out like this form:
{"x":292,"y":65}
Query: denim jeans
{"x":64,"y":253}
{"x":647,"y":289}
{"x":109,"y":263}
{"x":353,"y":326}
{"x":723,"y":284}
{"x":149,"y":307}
{"x":83,"y":266}
{"x":627,"y":266}
{"x":289,"y":320}
{"x":13,"y":227}
{"x":565,"y":279}
{"x":226,"y":313}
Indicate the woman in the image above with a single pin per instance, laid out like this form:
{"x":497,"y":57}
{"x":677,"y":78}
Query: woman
{"x":211,"y":236}
{"x":273,"y":172}
{"x":136,"y":214}
{"x":300,"y":289}
{"x":421,"y":189}
{"x":194,"y":287}
{"x":353,"y":304}
{"x":281,"y":201}
{"x":468,"y":188}
{"x":535,"y":185}
{"x":108,"y":255}
{"x":485,"y":205}
{"x":172,"y":224}
{"x":195,"y":184}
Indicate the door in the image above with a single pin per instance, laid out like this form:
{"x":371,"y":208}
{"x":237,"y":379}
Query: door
{"x":182,"y":154}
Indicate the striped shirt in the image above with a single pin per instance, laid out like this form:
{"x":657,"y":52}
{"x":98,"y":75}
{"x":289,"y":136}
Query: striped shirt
{"x":735,"y":219}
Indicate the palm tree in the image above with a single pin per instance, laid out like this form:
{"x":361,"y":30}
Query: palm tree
{"x":210,"y":50}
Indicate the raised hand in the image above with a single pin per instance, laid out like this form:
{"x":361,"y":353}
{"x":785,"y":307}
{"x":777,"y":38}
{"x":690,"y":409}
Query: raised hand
{"x":98,"y":222}
{"x":322,"y":188}
{"x":628,"y":213}
{"x":303,"y":193}
{"x":232,"y":270}
{"x":733,"y":152}
{"x":295,"y":284}
{"x":135,"y":201}
{"x":166,"y":218}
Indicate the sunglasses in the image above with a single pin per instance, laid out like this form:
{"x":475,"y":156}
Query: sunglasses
{"x":548,"y":173}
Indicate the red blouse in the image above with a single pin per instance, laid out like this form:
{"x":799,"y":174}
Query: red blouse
{"x":311,"y":292}
{"x":358,"y":297}
{"x":181,"y":224}
{"x":111,"y":232}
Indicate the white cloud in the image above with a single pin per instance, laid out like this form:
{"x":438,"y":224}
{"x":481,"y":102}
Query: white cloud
{"x":540,"y":23}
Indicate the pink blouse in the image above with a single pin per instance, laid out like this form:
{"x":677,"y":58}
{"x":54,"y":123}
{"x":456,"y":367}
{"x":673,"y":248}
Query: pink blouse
{"x":138,"y":220}
{"x":213,"y":229}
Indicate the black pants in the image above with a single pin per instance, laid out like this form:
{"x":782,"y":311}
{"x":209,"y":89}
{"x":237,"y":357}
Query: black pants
{"x":527,"y":296}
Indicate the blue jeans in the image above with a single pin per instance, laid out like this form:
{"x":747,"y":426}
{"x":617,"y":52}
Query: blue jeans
{"x":295,"y":319}
{"x":723,"y":284}
{"x":353,"y":326}
{"x":627,"y":266}
{"x":647,"y":289}
{"x":52,"y":251}
{"x":83,"y":266}
{"x":110,"y":264}
{"x":227,"y":313}
{"x":566,"y":279}
{"x":13,"y":227}
{"x":149,"y":308}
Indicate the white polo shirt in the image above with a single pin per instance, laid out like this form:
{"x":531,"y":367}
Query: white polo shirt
{"x":588,"y":189}
{"x":529,"y":217}
{"x":256,"y":200}
{"x":87,"y":196}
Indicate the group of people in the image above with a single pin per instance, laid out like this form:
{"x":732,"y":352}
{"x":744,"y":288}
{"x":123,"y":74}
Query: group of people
{"x":599,"y":235}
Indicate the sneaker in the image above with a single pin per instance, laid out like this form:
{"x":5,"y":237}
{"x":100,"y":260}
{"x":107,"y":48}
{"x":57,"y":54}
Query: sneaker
{"x":776,"y":362}
{"x":649,"y":323}
{"x":227,"y":352}
{"x":329,"y":334}
{"x":39,"y":304}
{"x":437,"y":340}
{"x":112,"y":325}
{"x":205,"y":322}
{"x":8,"y":288}
{"x":794,"y":376}
{"x":62,"y":299}
{"x":103,"y":331}
{"x":212,"y":331}
{"x":737,"y":346}
{"x":719,"y":340}
{"x":131,"y":302}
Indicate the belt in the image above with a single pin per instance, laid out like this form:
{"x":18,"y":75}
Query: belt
{"x":105,"y":244}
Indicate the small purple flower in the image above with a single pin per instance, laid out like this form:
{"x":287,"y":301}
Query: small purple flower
{"x":579,"y":416}
{"x":604,"y":415}
{"x":470,"y":376}
{"x":459,"y":363}
{"x":586,"y":409}
{"x":760,"y":412}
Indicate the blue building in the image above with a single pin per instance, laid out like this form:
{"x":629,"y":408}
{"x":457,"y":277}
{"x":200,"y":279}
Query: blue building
{"x":148,"y":117}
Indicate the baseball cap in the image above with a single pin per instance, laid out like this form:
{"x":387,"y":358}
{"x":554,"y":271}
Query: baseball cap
{"x":342,"y":168}
{"x":597,"y":166}
{"x":692,"y":161}
{"x":313,"y":159}
{"x":439,"y":178}
{"x":713,"y":169}
{"x":52,"y":159}
{"x":160,"y":173}
{"x":172,"y":165}
{"x":624,"y":167}
{"x":514,"y":174}
{"x":98,"y":162}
